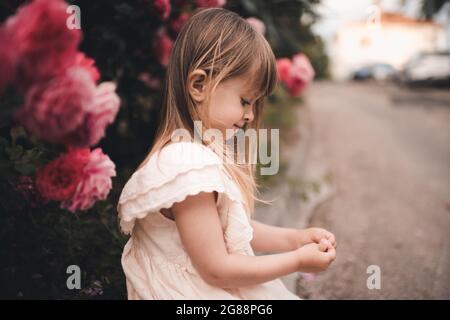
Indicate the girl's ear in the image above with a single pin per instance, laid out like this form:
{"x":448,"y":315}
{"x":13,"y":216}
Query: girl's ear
{"x":197,"y":85}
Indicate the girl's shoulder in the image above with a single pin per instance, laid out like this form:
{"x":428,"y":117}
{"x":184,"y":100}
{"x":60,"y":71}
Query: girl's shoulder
{"x":170,"y":175}
{"x":178,"y":157}
{"x":166,"y":164}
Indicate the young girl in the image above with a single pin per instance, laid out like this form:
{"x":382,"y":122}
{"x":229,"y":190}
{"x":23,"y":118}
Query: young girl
{"x":188,"y":211}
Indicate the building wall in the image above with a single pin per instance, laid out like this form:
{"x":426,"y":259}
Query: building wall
{"x":358,"y":44}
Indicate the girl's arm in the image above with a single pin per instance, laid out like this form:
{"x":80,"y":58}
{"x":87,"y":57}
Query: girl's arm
{"x":267,"y":238}
{"x":201,"y":233}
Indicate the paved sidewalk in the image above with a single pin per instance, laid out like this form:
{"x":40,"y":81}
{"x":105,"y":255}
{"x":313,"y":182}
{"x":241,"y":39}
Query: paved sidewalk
{"x":299,"y":191}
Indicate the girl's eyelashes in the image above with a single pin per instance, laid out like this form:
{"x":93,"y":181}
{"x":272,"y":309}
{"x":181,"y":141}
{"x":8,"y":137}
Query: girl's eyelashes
{"x":244,"y":102}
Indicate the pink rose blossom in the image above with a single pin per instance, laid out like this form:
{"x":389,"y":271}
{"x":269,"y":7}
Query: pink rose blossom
{"x":211,"y":3}
{"x":95,"y":182}
{"x":295,"y":74}
{"x":55,"y":109}
{"x":40,"y":25}
{"x":162,"y":45}
{"x":100,"y":114}
{"x":70,"y":109}
{"x":89,"y":64}
{"x":283,"y":67}
{"x":77,"y":178}
{"x":149,"y":80}
{"x":163,"y":8}
{"x":43,"y":44}
{"x":302,"y":67}
{"x":257,"y":24}
{"x":176,"y":24}
{"x":58,"y":180}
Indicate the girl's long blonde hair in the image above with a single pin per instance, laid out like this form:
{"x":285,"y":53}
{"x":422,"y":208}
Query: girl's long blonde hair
{"x":225,"y":46}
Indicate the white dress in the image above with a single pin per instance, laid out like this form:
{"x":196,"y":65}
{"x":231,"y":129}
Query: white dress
{"x":154,"y":260}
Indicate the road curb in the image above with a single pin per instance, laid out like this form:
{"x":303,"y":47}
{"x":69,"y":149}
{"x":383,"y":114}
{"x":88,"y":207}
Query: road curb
{"x":289,"y":208}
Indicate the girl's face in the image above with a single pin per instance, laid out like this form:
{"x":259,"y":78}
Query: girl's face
{"x":231,"y":105}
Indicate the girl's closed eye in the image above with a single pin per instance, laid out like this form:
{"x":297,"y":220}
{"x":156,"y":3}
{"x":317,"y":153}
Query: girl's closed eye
{"x":244,"y":102}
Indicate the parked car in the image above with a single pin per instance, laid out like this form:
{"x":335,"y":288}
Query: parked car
{"x":377,"y":71}
{"x":428,"y":68}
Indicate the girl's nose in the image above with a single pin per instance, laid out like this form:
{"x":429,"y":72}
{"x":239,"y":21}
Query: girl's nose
{"x":249,"y":116}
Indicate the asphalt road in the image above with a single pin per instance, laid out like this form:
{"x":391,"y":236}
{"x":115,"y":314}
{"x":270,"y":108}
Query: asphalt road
{"x":388,"y":150}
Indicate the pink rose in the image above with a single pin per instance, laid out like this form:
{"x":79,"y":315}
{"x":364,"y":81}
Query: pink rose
{"x":43,"y":44}
{"x":59,"y":179}
{"x":257,"y":24}
{"x":99,"y":115}
{"x":55,"y":109}
{"x":162,"y":45}
{"x":94,"y":184}
{"x":89,"y":64}
{"x":302,"y":67}
{"x":283,"y":68}
{"x":163,"y":8}
{"x":296,"y":75}
{"x":176,"y":24}
{"x":77,"y":178}
{"x":301,"y":74}
{"x":210,"y":3}
{"x":149,"y":80}
{"x":70,"y":109}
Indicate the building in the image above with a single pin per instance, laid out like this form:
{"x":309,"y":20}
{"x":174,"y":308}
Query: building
{"x":383,"y":37}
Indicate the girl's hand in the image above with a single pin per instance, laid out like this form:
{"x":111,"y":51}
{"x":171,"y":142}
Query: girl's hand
{"x":316,"y":257}
{"x":314,"y":235}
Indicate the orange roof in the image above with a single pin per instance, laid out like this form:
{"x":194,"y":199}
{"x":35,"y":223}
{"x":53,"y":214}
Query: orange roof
{"x":391,"y":17}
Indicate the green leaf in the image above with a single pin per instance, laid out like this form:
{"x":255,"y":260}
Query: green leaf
{"x":17,"y":132}
{"x":5,"y":170}
{"x":25,"y":168}
{"x":4,"y":142}
{"x":14,"y":153}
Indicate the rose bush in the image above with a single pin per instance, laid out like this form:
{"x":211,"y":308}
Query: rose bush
{"x":63,"y":136}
